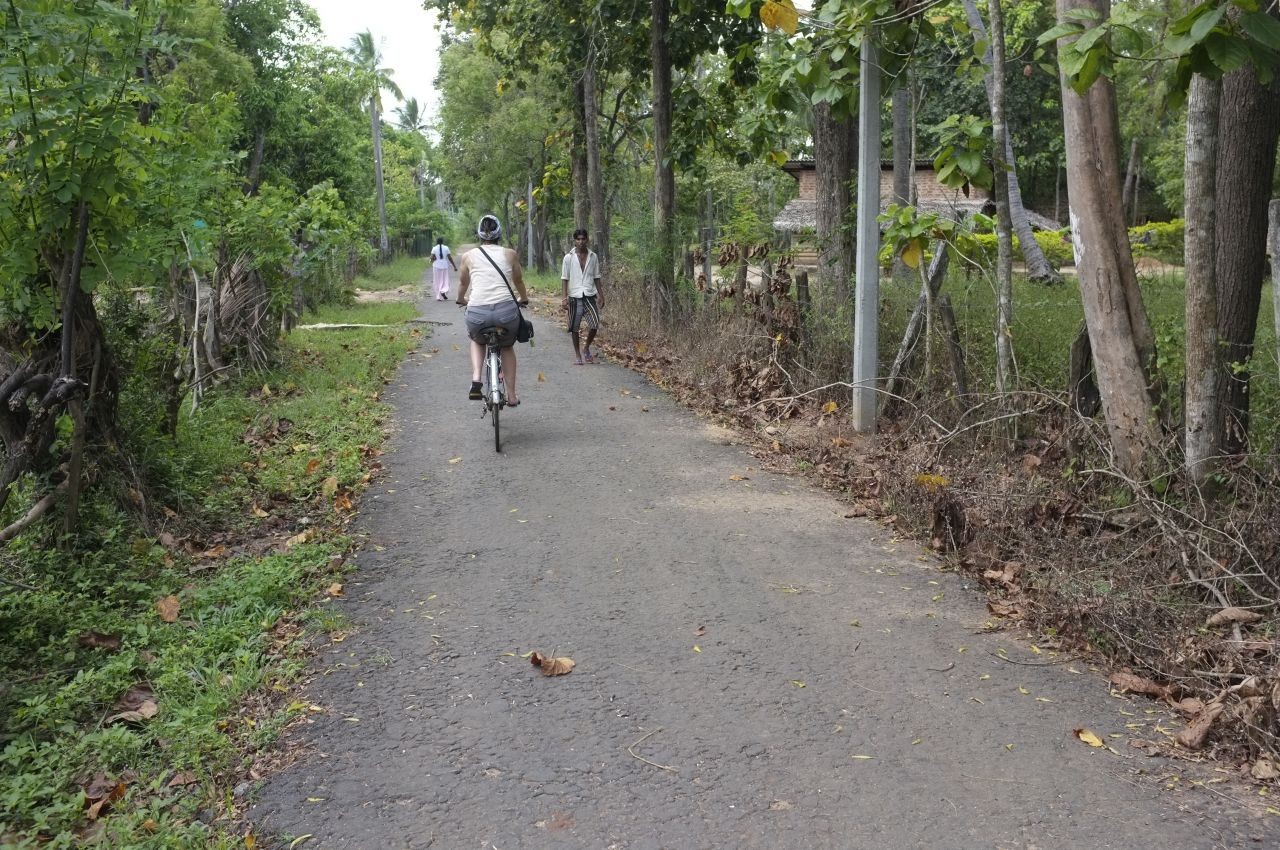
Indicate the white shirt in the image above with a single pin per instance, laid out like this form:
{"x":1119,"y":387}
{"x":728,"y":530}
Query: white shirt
{"x":486,"y":284}
{"x":582,"y":281}
{"x":441,"y":253}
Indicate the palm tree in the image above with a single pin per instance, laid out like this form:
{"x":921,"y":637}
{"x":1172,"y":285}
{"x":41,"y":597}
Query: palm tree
{"x":411,"y":116}
{"x":366,"y":57}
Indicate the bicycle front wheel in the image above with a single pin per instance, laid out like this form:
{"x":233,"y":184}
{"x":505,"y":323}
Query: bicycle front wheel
{"x":497,"y":434}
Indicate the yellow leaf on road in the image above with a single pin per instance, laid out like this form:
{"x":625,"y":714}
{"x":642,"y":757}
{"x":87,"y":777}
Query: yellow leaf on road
{"x":1089,"y":737}
{"x":864,"y":758}
{"x":455,"y":460}
{"x":798,"y":683}
{"x":542,"y":377}
{"x":830,"y":407}
{"x":697,"y":648}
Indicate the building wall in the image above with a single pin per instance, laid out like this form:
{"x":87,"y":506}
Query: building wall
{"x":928,"y":189}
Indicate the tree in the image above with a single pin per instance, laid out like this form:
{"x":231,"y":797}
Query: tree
{"x":409,"y":116}
{"x":1038,"y":266}
{"x":1202,"y":384}
{"x":1248,"y":129}
{"x":367,"y":59}
{"x":1119,"y":333}
{"x":1004,"y":192}
{"x":664,"y":191}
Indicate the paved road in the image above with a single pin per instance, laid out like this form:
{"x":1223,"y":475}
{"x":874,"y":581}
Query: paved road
{"x":753,"y":669}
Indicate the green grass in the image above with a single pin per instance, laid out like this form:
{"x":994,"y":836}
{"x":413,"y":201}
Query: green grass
{"x":1047,"y":319}
{"x":241,"y":617}
{"x":402,"y":271}
{"x":547,"y":283}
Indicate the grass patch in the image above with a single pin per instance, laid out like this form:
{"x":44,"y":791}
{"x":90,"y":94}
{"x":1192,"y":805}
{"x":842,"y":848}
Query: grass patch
{"x":546,"y":283}
{"x":402,"y":271}
{"x":267,"y":468}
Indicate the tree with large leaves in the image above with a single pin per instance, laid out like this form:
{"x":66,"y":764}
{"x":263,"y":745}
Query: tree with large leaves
{"x":367,"y":58}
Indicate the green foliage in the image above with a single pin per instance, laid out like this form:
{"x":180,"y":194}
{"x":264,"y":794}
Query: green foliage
{"x":1056,"y":245}
{"x":226,"y":642}
{"x":1162,"y":240}
{"x":964,"y":152}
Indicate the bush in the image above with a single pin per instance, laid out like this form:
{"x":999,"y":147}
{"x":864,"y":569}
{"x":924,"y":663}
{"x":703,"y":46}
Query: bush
{"x":1056,"y":245}
{"x":1162,"y":240}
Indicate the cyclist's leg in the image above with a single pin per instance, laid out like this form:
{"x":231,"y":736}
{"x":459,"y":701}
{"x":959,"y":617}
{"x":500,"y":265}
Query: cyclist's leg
{"x":509,"y":374}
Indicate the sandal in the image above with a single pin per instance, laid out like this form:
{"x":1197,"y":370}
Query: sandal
{"x":587,"y":357}
{"x":577,"y":361}
{"x":475,"y":394}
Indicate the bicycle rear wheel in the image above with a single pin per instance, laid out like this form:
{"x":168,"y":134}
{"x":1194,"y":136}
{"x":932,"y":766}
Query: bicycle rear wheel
{"x":497,"y":434}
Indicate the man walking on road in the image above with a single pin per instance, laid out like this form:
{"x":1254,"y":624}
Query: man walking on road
{"x":583,"y":294}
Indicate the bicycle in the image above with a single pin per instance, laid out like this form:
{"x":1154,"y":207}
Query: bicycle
{"x":494,"y":388}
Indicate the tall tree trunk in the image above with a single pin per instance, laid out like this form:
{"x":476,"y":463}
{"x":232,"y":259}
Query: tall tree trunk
{"x":833,"y":155}
{"x":578,"y":161}
{"x":1130,"y":197}
{"x":1038,"y":266}
{"x":1004,"y":226}
{"x":1249,"y":125}
{"x":902,"y":164}
{"x":1119,"y":333}
{"x":384,"y":244}
{"x":253,"y":175}
{"x":1200,"y":405}
{"x":595,"y":178}
{"x":1273,"y":241}
{"x":664,"y":189}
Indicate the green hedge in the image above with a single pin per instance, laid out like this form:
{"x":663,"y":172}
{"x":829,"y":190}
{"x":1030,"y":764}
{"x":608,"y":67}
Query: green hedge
{"x":1056,"y":245}
{"x":1162,"y":240}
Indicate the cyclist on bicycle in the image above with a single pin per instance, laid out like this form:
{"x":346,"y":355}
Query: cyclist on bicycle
{"x":484,"y":292}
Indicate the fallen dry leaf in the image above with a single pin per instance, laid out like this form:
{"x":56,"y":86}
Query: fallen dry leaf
{"x":856,"y":511}
{"x":334,"y":589}
{"x":342,"y":502}
{"x":739,"y":477}
{"x":181,"y":779}
{"x":830,"y":407}
{"x":839,"y":442}
{"x":259,"y":512}
{"x":313,"y":465}
{"x":1197,"y":731}
{"x":542,"y":378}
{"x":168,"y":608}
{"x":700,"y":631}
{"x":146,"y":711}
{"x":455,"y":460}
{"x":1127,"y":682}
{"x":552,"y":666}
{"x":1233,"y":615}
{"x":1089,"y":737}
{"x":97,"y":640}
{"x":1264,"y":770}
{"x":329,"y":487}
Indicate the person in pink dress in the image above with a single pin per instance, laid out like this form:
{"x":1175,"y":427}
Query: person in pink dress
{"x":441,"y":260}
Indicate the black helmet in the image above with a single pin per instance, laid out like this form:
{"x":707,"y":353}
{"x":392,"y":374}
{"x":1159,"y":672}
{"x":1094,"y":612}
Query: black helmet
{"x":489,"y":228}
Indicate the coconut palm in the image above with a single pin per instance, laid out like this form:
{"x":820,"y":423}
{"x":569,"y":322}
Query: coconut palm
{"x":365,"y":55}
{"x":411,"y":116}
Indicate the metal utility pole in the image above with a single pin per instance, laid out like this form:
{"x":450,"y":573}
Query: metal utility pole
{"x":867,"y":294}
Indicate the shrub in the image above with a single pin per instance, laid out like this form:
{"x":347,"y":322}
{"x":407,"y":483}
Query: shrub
{"x":1056,"y":245}
{"x":1162,"y":240}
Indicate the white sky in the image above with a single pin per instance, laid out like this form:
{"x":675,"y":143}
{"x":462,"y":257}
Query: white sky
{"x":408,"y":36}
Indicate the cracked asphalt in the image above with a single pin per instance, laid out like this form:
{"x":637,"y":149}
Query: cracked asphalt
{"x":753,"y":669}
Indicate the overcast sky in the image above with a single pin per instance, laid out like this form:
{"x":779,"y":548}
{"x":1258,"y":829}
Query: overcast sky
{"x":409,"y":41}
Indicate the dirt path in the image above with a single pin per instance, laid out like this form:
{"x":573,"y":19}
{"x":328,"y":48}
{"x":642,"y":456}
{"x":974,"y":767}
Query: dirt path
{"x":754,"y":670}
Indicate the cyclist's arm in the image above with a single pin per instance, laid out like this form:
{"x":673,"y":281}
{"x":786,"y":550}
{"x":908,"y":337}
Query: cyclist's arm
{"x":464,"y":280}
{"x":517,"y":274}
